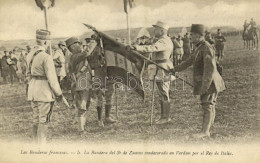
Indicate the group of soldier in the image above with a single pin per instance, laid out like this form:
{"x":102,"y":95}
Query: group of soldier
{"x":45,"y":74}
{"x":250,"y":25}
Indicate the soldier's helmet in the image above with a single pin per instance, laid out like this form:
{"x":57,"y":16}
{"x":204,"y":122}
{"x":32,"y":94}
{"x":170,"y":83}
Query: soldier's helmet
{"x":72,"y":40}
{"x":62,"y":43}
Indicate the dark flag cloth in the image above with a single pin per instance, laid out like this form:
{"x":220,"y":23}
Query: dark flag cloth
{"x":123,"y":66}
{"x":41,"y":3}
{"x":128,"y":3}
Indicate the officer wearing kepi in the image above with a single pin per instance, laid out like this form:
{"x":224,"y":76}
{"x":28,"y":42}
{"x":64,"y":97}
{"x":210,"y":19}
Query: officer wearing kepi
{"x":162,"y":50}
{"x":79,"y":71}
{"x":43,"y":85}
{"x":207,"y":80}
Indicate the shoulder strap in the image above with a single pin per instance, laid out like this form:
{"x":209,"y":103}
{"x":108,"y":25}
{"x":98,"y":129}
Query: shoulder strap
{"x":30,"y":64}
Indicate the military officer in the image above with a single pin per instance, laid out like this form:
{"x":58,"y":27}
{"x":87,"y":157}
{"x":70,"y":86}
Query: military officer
{"x":43,"y":85}
{"x":5,"y":66}
{"x":102,"y":87}
{"x":207,"y":80}
{"x":81,"y":79}
{"x":162,"y":50}
{"x":219,"y":39}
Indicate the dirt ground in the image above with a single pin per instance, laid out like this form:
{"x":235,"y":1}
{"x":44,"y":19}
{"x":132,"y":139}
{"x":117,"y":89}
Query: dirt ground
{"x":237,"y":114}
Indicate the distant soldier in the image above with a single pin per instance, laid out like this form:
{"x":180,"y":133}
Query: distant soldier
{"x":178,"y":49}
{"x":253,"y":25}
{"x":43,"y":85}
{"x":5,"y":67}
{"x":12,"y":62}
{"x":186,"y":46}
{"x":59,"y":60}
{"x":245,"y":25}
{"x":102,"y":87}
{"x":81,"y":79}
{"x":220,"y":39}
{"x":21,"y":66}
{"x":162,"y":51}
{"x":207,"y":80}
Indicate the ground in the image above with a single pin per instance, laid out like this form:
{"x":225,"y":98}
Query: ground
{"x":237,"y":116}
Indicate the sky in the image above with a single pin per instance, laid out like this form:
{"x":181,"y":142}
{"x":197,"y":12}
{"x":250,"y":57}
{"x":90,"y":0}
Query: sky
{"x":21,"y":18}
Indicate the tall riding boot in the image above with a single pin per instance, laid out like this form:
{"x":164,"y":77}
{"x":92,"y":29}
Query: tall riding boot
{"x":42,"y":133}
{"x":99,"y":111}
{"x":107,"y":112}
{"x":34,"y":133}
{"x":162,"y":112}
{"x":82,"y":122}
{"x":207,"y":121}
{"x":166,"y":113}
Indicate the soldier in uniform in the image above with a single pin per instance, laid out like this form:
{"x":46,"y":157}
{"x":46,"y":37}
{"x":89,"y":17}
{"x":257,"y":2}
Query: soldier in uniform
{"x":79,"y":71}
{"x":220,"y":39}
{"x":162,"y":50}
{"x":102,"y":87}
{"x":186,"y":46}
{"x":207,"y":80}
{"x":4,"y":66}
{"x":43,"y":85}
{"x":59,"y":61}
{"x":253,"y":25}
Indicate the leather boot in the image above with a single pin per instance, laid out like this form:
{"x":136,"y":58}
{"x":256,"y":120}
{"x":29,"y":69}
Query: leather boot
{"x":107,"y":112}
{"x":166,"y":113}
{"x":207,"y":121}
{"x":162,"y":112}
{"x":99,"y":111}
{"x":34,"y":133}
{"x":42,"y":133}
{"x":82,"y":122}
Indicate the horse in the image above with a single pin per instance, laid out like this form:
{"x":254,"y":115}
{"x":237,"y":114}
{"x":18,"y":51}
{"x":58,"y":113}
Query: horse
{"x":250,"y":37}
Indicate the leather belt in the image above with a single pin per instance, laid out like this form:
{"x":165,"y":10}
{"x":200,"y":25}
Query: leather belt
{"x":39,"y":77}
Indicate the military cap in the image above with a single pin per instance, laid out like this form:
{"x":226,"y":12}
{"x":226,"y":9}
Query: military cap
{"x":161,"y":25}
{"x":62,"y":43}
{"x":72,"y":40}
{"x":42,"y":34}
{"x":197,"y":28}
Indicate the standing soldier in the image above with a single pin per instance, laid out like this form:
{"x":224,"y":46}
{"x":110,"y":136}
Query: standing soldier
{"x":186,"y":46}
{"x":102,"y":88}
{"x":43,"y":85}
{"x":59,"y":61}
{"x":4,"y":66}
{"x":162,"y":50}
{"x":208,"y":37}
{"x":81,"y":78}
{"x":220,"y":39}
{"x":207,"y":80}
{"x":178,"y":49}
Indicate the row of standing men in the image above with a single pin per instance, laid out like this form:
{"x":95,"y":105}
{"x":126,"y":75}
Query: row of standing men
{"x":44,"y":87}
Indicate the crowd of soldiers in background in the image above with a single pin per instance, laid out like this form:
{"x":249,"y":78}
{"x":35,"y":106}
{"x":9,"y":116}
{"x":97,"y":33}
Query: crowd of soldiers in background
{"x":13,"y":63}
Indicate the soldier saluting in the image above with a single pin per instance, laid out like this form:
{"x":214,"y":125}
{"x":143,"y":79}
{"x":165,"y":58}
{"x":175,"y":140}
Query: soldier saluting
{"x":43,"y":85}
{"x":207,"y":80}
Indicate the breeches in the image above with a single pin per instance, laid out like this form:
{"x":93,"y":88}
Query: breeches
{"x":82,"y":100}
{"x":41,"y":111}
{"x":164,"y":88}
{"x":208,"y":100}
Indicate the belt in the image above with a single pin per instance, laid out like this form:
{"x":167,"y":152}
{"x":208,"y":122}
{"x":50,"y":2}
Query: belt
{"x":39,"y":77}
{"x":161,"y":61}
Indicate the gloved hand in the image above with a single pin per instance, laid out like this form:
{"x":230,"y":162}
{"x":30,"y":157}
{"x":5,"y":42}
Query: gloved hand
{"x":130,"y":47}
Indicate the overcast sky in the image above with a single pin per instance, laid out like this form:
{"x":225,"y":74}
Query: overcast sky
{"x":21,"y":18}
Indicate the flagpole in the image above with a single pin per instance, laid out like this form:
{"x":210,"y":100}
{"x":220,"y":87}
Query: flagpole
{"x":128,"y":29}
{"x":46,"y":26}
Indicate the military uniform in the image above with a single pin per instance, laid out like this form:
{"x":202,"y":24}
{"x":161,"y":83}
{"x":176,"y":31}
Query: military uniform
{"x":81,"y":80}
{"x":162,"y":50}
{"x":186,"y":47}
{"x":220,"y":39}
{"x":43,"y":87}
{"x":5,"y":67}
{"x":207,"y":80}
{"x":103,"y":88}
{"x":59,"y":62}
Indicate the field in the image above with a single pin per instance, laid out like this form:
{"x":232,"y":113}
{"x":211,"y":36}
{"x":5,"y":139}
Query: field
{"x":237,"y":118}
